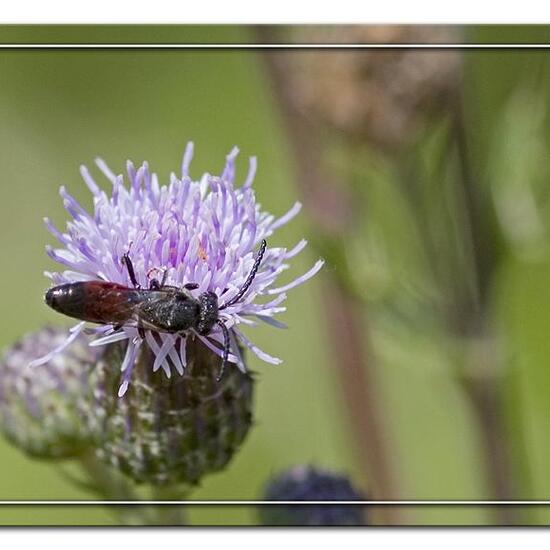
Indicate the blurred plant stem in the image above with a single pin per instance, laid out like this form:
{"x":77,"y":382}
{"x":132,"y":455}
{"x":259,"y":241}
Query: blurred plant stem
{"x":483,"y":378}
{"x":109,"y":484}
{"x":465,"y":308}
{"x":485,"y":396}
{"x":354,"y":362}
{"x":168,"y":514}
{"x":472,"y":255}
{"x":482,"y":382}
{"x":354,"y":365}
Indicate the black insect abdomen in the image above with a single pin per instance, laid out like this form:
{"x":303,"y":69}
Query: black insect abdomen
{"x":69,"y":299}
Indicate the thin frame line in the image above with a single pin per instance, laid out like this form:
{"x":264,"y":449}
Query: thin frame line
{"x":73,"y":46}
{"x":272,"y":46}
{"x":275,"y":502}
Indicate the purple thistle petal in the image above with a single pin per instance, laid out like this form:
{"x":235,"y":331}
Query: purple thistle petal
{"x":162,"y":354}
{"x":302,"y":279}
{"x":128,"y":365}
{"x":243,"y":320}
{"x":72,"y":205}
{"x":217,"y":350}
{"x":255,"y":349}
{"x":183,"y":351}
{"x":102,"y":165}
{"x":253,"y":165}
{"x":140,"y":177}
{"x":296,"y":250}
{"x":109,"y":339}
{"x":236,"y":351}
{"x":103,"y":329}
{"x":293,"y":212}
{"x":63,"y":239}
{"x":271,"y":321}
{"x":229,"y":170}
{"x":263,"y":309}
{"x":187,"y":158}
{"x":63,"y":257}
{"x":173,"y":353}
{"x":156,"y":349}
{"x":73,"y":334}
{"x":89,"y":181}
{"x":130,"y":355}
{"x":131,"y":170}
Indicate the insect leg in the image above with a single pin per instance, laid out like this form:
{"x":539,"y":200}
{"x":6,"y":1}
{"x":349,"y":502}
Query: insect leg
{"x":117,"y":327}
{"x":226,"y":344}
{"x":191,"y":286}
{"x":129,"y":266}
{"x":154,"y":284}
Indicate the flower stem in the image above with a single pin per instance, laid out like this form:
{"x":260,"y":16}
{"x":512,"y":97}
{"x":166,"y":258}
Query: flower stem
{"x":484,"y":395}
{"x":356,"y":368}
{"x":112,"y":486}
{"x":483,"y":385}
{"x":168,"y":514}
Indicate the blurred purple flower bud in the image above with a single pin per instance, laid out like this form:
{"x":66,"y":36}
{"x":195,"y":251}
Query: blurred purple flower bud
{"x":42,"y":415}
{"x":305,"y":483}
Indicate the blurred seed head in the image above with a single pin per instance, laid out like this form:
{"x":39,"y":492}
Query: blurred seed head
{"x":40,"y":408}
{"x":169,"y":430}
{"x":308,"y":483}
{"x":381,"y":96}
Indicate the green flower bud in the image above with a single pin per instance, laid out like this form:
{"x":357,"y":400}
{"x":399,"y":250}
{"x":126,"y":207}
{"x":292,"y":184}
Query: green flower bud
{"x":39,"y":407}
{"x":169,"y":430}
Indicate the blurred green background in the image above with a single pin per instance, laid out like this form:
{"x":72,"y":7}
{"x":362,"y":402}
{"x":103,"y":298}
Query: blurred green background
{"x":59,"y":109}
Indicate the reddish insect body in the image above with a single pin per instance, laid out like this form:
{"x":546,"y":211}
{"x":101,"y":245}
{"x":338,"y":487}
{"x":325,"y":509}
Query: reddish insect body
{"x":95,"y":301}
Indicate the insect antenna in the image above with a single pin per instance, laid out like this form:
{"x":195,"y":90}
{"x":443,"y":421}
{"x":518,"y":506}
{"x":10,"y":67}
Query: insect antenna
{"x":130,"y":268}
{"x":226,"y":344}
{"x":234,"y":300}
{"x":249,"y":279}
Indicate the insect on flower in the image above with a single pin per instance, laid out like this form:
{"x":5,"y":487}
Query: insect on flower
{"x":208,"y":237}
{"x":161,"y":307}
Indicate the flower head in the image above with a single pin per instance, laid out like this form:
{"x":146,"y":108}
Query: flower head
{"x":43,"y":415}
{"x":305,"y":483}
{"x":169,"y":432}
{"x":204,"y":232}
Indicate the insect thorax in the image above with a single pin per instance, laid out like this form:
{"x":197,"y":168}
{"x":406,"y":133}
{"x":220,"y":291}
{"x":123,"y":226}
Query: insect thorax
{"x":175,"y":312}
{"x":208,"y":314}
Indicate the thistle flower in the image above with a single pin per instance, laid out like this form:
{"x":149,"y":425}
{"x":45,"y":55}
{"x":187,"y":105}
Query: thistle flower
{"x":169,"y":432}
{"x":203,"y":232}
{"x":305,"y":483}
{"x":42,"y":414}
